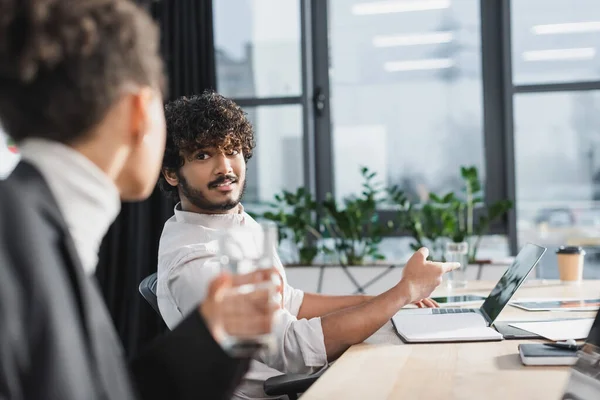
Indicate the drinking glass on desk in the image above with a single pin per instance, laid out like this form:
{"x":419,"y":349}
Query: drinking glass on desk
{"x":457,"y":252}
{"x":243,"y":250}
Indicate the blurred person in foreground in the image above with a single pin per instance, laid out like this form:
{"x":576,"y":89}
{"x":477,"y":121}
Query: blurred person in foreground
{"x":80,"y":92}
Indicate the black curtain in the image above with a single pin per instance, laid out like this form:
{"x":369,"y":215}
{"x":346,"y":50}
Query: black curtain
{"x":129,"y":251}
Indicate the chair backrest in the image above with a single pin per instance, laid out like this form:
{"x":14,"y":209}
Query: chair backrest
{"x":148,"y":291}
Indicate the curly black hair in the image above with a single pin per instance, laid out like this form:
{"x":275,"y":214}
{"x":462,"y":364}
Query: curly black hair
{"x":197,"y":122}
{"x":63,"y":63}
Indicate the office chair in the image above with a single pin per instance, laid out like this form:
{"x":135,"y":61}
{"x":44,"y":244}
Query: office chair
{"x":287,"y":384}
{"x":147,"y":289}
{"x":291,"y":385}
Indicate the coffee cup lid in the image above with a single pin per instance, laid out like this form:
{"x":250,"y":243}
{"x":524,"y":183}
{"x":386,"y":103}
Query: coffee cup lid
{"x":570,"y":250}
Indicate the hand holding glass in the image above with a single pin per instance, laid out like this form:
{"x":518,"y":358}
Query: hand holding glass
{"x":245,"y":252}
{"x":229,"y":312}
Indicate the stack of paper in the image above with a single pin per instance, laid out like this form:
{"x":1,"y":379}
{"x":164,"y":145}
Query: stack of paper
{"x":558,"y":329}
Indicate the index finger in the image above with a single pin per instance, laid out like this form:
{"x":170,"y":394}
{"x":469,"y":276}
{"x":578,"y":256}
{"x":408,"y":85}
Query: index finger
{"x":446,"y":266}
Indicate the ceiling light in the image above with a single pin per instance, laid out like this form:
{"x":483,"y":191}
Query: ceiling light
{"x":413,"y":39}
{"x":584,"y":53}
{"x":387,"y":7}
{"x":418,"y":65}
{"x":573,"y":27}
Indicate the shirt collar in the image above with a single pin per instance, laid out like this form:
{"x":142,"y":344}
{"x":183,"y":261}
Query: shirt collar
{"x":87,"y":198}
{"x":212,"y":221}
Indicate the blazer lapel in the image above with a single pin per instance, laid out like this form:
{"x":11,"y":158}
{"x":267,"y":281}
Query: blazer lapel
{"x":103,"y":342}
{"x":50,"y":209}
{"x":103,"y":345}
{"x":72,"y":263}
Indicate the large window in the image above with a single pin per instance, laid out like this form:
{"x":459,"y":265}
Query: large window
{"x":414,"y":89}
{"x":259,"y":64}
{"x":277,"y":162}
{"x":257,"y":55}
{"x":557,"y":153}
{"x":406,"y":93}
{"x":555,"y":40}
{"x":556,"y":107}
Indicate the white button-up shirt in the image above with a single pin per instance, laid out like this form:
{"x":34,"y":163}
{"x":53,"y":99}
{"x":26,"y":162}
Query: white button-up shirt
{"x":187,"y":263}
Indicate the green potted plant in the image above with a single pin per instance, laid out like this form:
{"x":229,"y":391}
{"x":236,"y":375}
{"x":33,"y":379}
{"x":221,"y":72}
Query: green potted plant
{"x":474,"y":197}
{"x":429,"y":223}
{"x":354,"y":226}
{"x":295,"y":216}
{"x":450,"y":217}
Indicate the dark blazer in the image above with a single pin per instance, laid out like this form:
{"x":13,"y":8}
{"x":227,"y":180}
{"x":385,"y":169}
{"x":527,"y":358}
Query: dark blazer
{"x":57,"y":340}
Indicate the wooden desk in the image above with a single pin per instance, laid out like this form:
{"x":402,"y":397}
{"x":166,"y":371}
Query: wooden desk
{"x":385,"y":368}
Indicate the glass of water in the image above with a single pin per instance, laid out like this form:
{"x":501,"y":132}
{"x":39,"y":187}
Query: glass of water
{"x":242,"y":250}
{"x":457,"y":252}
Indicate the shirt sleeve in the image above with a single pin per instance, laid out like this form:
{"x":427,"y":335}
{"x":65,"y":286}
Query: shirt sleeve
{"x":292,"y":299}
{"x":188,"y":282}
{"x":299,"y":345}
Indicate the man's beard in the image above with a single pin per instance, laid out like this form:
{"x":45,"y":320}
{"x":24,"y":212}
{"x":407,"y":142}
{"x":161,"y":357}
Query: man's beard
{"x":198,"y":199}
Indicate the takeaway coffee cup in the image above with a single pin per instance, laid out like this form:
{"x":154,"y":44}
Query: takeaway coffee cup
{"x":570,"y":263}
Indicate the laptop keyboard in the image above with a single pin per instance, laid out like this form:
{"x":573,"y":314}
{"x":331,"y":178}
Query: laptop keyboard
{"x":453,"y":310}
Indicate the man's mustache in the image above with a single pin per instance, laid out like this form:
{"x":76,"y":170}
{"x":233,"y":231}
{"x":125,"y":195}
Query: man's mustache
{"x":222,"y":179}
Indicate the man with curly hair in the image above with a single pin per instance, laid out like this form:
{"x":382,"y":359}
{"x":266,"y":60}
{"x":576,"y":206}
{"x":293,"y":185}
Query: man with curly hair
{"x":209,"y":142}
{"x":212,"y":123}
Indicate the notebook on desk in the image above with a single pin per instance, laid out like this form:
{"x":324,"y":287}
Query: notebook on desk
{"x":468,"y":324}
{"x":540,"y":354}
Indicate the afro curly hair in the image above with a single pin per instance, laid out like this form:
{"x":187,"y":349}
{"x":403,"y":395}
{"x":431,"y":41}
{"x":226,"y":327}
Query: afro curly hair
{"x":63,"y":64}
{"x":203,"y":121}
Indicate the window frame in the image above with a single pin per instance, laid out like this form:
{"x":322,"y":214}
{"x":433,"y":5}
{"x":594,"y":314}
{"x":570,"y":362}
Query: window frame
{"x":304,"y":99}
{"x":503,"y":10}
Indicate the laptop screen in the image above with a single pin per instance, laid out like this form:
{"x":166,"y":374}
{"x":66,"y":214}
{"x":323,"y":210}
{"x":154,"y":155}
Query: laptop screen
{"x":584,"y":381}
{"x":594,"y":335}
{"x":514,"y":276}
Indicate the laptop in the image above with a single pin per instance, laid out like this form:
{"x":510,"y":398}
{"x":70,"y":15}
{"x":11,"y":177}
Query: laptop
{"x":584,"y":379}
{"x":427,"y":325}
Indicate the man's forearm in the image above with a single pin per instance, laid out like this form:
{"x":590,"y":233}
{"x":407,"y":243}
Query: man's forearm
{"x":353,"y":325}
{"x":318,"y":305}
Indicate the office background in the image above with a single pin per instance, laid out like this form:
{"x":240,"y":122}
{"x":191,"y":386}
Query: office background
{"x":412,"y":89}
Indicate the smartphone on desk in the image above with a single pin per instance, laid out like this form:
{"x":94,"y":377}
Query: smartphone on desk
{"x":466,"y":298}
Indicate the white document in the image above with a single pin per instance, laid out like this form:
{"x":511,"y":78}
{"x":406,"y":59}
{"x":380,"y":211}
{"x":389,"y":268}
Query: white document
{"x":558,"y":330}
{"x":443,"y":328}
{"x":556,"y":304}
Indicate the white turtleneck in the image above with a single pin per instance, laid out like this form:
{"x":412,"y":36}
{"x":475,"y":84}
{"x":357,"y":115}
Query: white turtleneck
{"x":88,"y":199}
